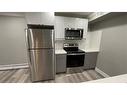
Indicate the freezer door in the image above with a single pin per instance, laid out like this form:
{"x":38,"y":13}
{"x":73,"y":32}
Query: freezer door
{"x":40,"y":38}
{"x":42,"y":64}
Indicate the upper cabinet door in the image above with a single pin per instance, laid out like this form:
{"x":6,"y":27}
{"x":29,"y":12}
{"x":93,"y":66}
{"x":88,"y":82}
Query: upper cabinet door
{"x":69,"y":22}
{"x":59,"y":27}
{"x":82,"y":23}
{"x":46,"y":18}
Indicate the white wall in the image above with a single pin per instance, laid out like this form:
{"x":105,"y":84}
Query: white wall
{"x":12,"y":35}
{"x":12,"y":40}
{"x":46,"y":18}
{"x":93,"y":40}
{"x":112,"y":58}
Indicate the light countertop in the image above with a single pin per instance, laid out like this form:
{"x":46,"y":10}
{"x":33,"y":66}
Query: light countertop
{"x":60,"y":51}
{"x":114,"y":79}
{"x":90,"y":50}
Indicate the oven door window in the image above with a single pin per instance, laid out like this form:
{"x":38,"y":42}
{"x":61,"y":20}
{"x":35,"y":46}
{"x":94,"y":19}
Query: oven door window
{"x":75,"y":60}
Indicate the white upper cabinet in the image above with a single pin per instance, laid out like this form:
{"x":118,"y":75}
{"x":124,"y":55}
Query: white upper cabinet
{"x":82,"y":23}
{"x":63,"y":22}
{"x":46,"y":18}
{"x":59,"y":27}
{"x":69,"y":22}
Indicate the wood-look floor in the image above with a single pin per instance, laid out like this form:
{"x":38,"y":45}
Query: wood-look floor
{"x":71,"y":76}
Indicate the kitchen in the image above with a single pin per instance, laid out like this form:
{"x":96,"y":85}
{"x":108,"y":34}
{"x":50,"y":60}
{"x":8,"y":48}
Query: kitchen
{"x":81,"y":46}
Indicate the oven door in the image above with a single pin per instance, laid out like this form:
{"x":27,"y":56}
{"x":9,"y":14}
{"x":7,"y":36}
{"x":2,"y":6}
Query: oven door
{"x":75,"y":59}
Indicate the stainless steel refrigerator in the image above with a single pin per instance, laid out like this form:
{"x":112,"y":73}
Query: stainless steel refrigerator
{"x":40,"y":43}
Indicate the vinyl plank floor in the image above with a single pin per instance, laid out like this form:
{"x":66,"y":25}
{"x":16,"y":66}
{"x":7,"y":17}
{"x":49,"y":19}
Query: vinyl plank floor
{"x":75,"y":75}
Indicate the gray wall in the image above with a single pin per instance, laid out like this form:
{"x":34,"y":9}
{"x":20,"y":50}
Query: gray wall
{"x":112,"y":58}
{"x":12,"y":40}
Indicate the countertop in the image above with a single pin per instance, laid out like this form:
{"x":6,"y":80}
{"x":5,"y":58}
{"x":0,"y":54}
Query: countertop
{"x":90,"y":50}
{"x":60,"y":51}
{"x":114,"y":79}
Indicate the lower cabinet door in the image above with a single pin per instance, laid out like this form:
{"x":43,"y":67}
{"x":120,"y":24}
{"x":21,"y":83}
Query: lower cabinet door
{"x":90,"y":60}
{"x":60,"y":63}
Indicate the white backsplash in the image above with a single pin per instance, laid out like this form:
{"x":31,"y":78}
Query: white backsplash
{"x":59,"y":43}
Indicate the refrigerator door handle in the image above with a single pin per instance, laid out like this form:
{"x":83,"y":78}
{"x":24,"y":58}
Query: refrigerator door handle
{"x":53,"y":38}
{"x":26,"y":37}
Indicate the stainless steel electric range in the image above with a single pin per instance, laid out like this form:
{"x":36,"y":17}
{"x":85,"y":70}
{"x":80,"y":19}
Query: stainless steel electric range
{"x":75,"y":56}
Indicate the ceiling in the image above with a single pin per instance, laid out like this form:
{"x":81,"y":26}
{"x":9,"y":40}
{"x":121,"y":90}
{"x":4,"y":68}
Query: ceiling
{"x":74,"y":14}
{"x":67,"y":14}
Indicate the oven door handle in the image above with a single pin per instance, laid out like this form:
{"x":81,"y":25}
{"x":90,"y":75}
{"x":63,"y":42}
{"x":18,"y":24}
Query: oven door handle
{"x":76,"y":54}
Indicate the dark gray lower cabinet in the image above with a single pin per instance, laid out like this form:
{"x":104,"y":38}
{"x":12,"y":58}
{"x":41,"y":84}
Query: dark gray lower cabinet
{"x":90,"y":60}
{"x":60,"y":63}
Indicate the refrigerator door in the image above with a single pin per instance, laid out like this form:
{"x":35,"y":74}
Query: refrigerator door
{"x":40,"y":38}
{"x":42,"y":64}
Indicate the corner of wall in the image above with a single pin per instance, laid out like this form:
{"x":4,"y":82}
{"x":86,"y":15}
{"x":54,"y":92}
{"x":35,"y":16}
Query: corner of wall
{"x":102,"y":73}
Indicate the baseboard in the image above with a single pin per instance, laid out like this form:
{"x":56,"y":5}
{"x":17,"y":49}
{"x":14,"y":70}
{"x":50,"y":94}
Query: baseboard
{"x":14,"y":66}
{"x":101,"y":72}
